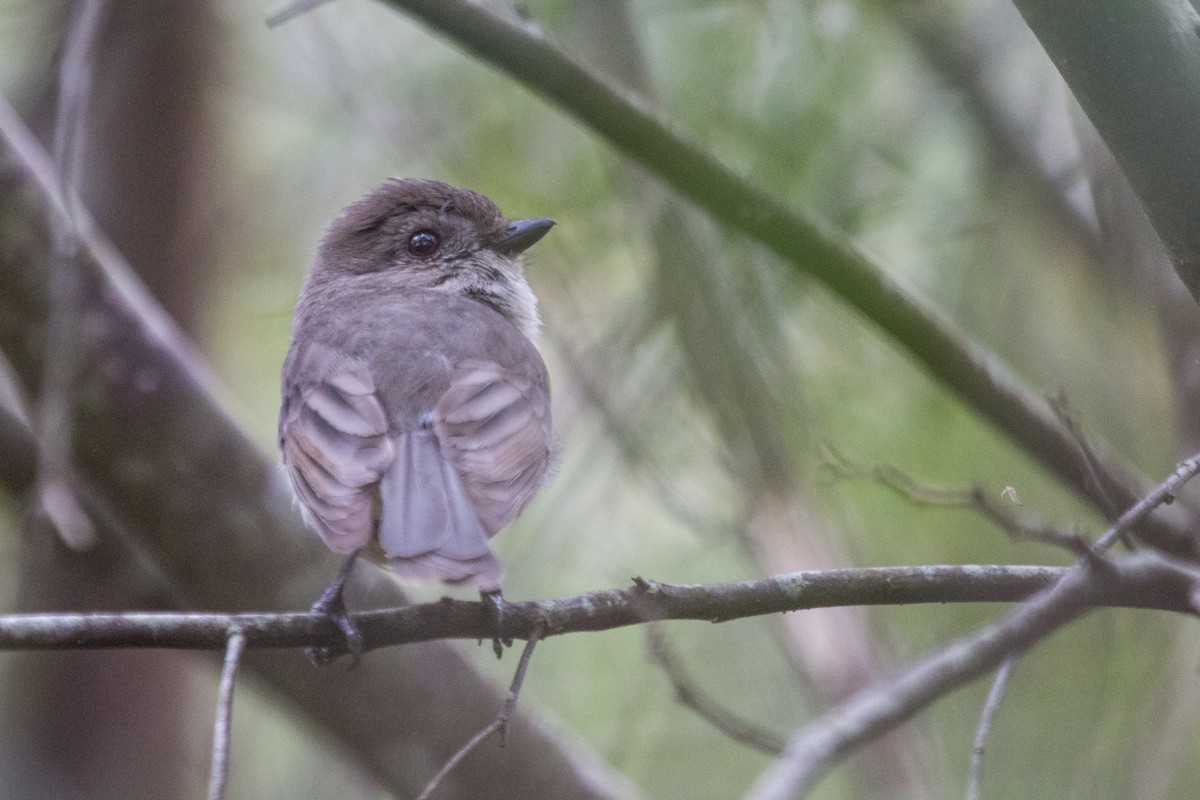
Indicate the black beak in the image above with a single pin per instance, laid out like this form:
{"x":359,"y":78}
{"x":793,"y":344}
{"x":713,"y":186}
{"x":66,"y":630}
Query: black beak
{"x":521,"y":235}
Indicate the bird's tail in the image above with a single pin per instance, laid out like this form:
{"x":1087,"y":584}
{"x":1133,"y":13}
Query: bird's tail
{"x":428,"y":527}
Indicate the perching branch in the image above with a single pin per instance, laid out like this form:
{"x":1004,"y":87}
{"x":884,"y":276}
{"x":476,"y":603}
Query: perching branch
{"x":1141,"y":580}
{"x":809,"y":247}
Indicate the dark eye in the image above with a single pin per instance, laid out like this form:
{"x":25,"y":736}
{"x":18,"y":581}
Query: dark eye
{"x":423,"y":243}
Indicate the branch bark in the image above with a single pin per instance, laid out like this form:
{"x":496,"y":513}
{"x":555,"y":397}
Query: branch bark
{"x":1137,"y":581}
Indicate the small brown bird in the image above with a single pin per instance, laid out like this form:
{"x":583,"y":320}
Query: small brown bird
{"x":416,"y":409}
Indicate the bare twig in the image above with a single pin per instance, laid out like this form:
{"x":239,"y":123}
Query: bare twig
{"x":510,"y":702}
{"x":55,"y":418}
{"x":816,"y":748}
{"x":995,"y":695}
{"x":501,"y":722}
{"x":223,"y":724}
{"x":820,"y":745}
{"x":1090,"y":459}
{"x":974,"y":497}
{"x":436,"y":780}
{"x":1162,"y":494}
{"x":689,"y":695}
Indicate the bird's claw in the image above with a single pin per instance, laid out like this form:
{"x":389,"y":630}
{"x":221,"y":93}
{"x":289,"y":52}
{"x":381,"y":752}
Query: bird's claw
{"x":494,"y":603}
{"x":332,"y":605}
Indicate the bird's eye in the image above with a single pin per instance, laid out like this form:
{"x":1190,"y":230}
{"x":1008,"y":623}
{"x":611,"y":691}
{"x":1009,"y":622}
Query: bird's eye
{"x":423,"y":244}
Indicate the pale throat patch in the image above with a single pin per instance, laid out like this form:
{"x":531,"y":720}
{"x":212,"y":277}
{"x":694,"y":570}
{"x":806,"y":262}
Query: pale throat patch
{"x":513,"y":294}
{"x":523,"y":304}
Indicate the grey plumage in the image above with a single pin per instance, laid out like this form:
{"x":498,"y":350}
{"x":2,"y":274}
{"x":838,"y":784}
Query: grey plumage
{"x":415,"y":421}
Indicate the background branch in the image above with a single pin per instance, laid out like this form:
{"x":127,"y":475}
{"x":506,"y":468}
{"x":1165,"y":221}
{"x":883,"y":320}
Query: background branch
{"x":990,"y":707}
{"x":707,"y":708}
{"x":55,"y":417}
{"x":995,"y":509}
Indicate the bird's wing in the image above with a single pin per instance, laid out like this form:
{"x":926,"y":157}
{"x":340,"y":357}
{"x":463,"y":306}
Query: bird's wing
{"x":464,"y":474}
{"x":494,"y":428}
{"x":434,"y":493}
{"x":335,"y":446}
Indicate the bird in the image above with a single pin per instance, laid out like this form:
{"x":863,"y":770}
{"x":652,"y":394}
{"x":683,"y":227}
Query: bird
{"x":415,"y":414}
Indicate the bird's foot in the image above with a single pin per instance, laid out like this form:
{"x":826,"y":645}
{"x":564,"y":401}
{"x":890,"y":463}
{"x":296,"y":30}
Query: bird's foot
{"x":332,"y":604}
{"x":494,"y":603}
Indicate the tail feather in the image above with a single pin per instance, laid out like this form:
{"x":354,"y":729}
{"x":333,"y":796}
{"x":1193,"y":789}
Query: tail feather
{"x":428,"y":526}
{"x":485,"y":573}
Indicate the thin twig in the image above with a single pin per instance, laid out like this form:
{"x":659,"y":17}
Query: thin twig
{"x":995,"y":695}
{"x":972,"y":498}
{"x":725,"y":721}
{"x":55,"y":416}
{"x":815,"y":749}
{"x":74,"y":94}
{"x":514,"y":690}
{"x":462,"y":752}
{"x":1091,"y":461}
{"x":501,"y":722}
{"x":1162,"y":494}
{"x":223,"y":724}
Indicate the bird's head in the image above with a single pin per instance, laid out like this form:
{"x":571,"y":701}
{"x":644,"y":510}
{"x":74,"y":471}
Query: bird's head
{"x":422,"y":235}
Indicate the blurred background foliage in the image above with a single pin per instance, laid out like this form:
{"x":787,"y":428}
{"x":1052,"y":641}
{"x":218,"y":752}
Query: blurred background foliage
{"x":698,"y":386}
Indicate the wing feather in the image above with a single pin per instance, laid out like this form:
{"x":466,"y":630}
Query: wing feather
{"x":433,"y":495}
{"x":494,"y":428}
{"x":335,"y":447}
